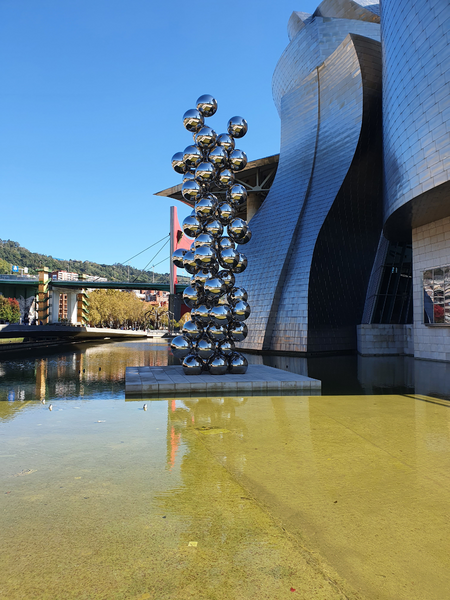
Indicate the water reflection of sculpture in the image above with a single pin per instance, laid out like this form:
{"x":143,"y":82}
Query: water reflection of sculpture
{"x":218,"y":308}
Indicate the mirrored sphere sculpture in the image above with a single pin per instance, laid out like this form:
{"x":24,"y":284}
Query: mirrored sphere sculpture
{"x":218,"y":307}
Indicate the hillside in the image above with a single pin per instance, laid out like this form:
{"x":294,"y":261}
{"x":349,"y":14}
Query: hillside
{"x":15,"y":254}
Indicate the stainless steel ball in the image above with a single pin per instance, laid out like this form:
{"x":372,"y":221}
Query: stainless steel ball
{"x":192,"y":331}
{"x":190,"y":190}
{"x":238,"y":331}
{"x":237,"y":127}
{"x":207,"y":105}
{"x":188,"y":176}
{"x":216,"y":333}
{"x":226,"y":347}
{"x":204,"y":239}
{"x":242,"y":264}
{"x":220,"y":315}
{"x":237,"y":364}
{"x":206,"y":138}
{"x":206,"y":206}
{"x":180,"y":346}
{"x":226,"y":141}
{"x":191,"y":297}
{"x":225,"y":212}
{"x":189,"y":263}
{"x":192,"y":365}
{"x":237,"y":229}
{"x":192,"y":157}
{"x":202,"y":276}
{"x":201,"y":314}
{"x":228,"y":258}
{"x":237,"y":294}
{"x":193,"y":120}
{"x":205,"y":348}
{"x":204,"y":256}
{"x":214,"y":227}
{"x":191,"y":226}
{"x":237,"y":194}
{"x":214,"y":287}
{"x":241,"y":311}
{"x":205,"y":172}
{"x":218,"y":364}
{"x":247,"y":237}
{"x":178,"y":257}
{"x":222,"y":300}
{"x":218,"y":157}
{"x":225,"y":178}
{"x":237,"y":160}
{"x":178,"y":163}
{"x":228,"y":278}
{"x":225,"y":242}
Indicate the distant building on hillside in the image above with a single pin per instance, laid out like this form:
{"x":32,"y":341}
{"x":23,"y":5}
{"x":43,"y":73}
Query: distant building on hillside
{"x":64,"y":276}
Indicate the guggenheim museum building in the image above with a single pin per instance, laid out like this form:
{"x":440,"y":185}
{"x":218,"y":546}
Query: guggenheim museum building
{"x":351,"y":229}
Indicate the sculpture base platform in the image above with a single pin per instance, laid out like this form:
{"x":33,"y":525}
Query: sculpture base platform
{"x":171,"y":381}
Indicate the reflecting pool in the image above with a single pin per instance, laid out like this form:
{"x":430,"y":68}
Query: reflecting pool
{"x":345,"y":495}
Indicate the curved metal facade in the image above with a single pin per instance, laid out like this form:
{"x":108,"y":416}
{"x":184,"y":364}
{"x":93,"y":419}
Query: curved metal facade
{"x":315,"y":236}
{"x":416,"y":113}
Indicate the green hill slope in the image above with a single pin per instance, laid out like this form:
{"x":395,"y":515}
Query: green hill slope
{"x":15,"y":254}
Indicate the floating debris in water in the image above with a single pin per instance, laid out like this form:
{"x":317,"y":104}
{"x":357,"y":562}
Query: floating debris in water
{"x":43,"y":400}
{"x":145,"y":407}
{"x":193,"y":544}
{"x":50,"y":407}
{"x":25,"y":472}
{"x":102,"y":421}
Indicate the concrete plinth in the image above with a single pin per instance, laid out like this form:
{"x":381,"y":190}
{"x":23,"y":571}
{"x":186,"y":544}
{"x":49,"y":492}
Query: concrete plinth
{"x":171,"y":381}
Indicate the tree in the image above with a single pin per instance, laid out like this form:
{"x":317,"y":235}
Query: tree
{"x":5,"y":267}
{"x":114,"y":308}
{"x":9,"y":310}
{"x":157,"y":315}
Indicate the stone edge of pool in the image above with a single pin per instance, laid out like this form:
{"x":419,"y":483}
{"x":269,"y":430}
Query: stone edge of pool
{"x":168,"y":380}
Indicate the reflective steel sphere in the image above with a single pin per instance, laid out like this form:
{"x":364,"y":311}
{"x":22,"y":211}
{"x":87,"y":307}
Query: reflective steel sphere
{"x":178,"y":163}
{"x":193,"y":120}
{"x":225,"y":178}
{"x":241,"y":311}
{"x":237,"y":160}
{"x":180,"y":346}
{"x":228,"y":278}
{"x":216,"y":333}
{"x":225,"y":242}
{"x":178,"y":257}
{"x":192,"y":157}
{"x":215,"y":228}
{"x":228,"y":258}
{"x":214,"y":287}
{"x":207,"y":105}
{"x":237,"y":294}
{"x":247,"y":237}
{"x":190,"y":190}
{"x":204,"y":256}
{"x":218,"y":157}
{"x":206,"y":206}
{"x":205,"y":172}
{"x":188,"y":176}
{"x":220,"y":315}
{"x":204,"y":239}
{"x":226,"y":141}
{"x":222,"y":300}
{"x":201,"y":314}
{"x":237,"y":194}
{"x":189,"y":263}
{"x":191,"y":330}
{"x":237,"y":229}
{"x":238,"y":331}
{"x":192,"y":365}
{"x":191,"y":226}
{"x":206,"y":138}
{"x":225,"y":212}
{"x":218,"y":364}
{"x":226,"y":347}
{"x":237,"y":127}
{"x":237,"y":364}
{"x":242,"y":264}
{"x":202,"y":276}
{"x":205,"y":348}
{"x":191,"y":297}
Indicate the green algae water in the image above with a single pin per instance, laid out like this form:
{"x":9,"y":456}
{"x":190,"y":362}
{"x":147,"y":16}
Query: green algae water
{"x":323,"y":497}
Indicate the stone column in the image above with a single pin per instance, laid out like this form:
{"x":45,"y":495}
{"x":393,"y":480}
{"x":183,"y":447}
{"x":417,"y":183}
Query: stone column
{"x":54,"y":315}
{"x":72,"y":306}
{"x":253,"y":203}
{"x":43,"y":294}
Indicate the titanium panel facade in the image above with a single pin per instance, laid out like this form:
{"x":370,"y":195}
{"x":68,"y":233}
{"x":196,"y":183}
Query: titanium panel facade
{"x":318,"y":229}
{"x":416,"y":113}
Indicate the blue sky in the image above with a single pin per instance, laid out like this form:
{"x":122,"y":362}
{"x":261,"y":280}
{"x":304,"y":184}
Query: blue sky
{"x":91,"y":102}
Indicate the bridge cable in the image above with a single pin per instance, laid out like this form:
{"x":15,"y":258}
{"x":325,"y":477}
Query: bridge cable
{"x":150,"y":261}
{"x":124,"y":263}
